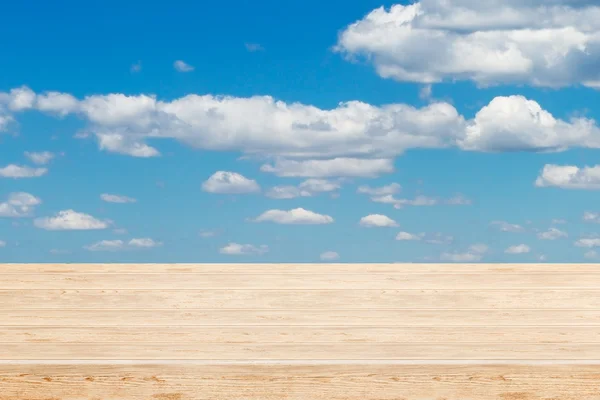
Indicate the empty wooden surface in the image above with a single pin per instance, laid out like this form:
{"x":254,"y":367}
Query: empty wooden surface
{"x":307,"y":331}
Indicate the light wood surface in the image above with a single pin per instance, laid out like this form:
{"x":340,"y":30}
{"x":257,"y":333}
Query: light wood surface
{"x":299,"y":331}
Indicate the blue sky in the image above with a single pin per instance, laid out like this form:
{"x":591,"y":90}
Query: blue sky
{"x":268,"y":132}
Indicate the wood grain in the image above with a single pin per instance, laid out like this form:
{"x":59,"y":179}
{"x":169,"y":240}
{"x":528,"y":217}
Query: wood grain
{"x":318,"y":382}
{"x":360,"y":331}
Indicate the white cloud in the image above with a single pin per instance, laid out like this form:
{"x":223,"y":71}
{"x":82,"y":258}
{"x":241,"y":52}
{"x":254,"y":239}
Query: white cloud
{"x":19,"y":204}
{"x":518,"y":249}
{"x":588,"y":242}
{"x":40,"y":158}
{"x":390,"y":189}
{"x":115,"y":198}
{"x":474,"y":254}
{"x":353,"y":139}
{"x":118,"y":245}
{"x":377,"y":220}
{"x":405,"y":236}
{"x":17,"y":172}
{"x":558,"y":221}
{"x":137,"y":67}
{"x":418,"y":201}
{"x":328,"y":168}
{"x":308,"y":188}
{"x":243,"y":249}
{"x":70,"y":220}
{"x":144,"y":243}
{"x":230,"y":183}
{"x":534,"y":42}
{"x":2,"y":243}
{"x":552,"y":234}
{"x":507,"y":227}
{"x":207,"y":234}
{"x":569,"y":177}
{"x":589,"y":216}
{"x":298,"y":216}
{"x":459,"y":200}
{"x":182,"y":66}
{"x":592,"y":254}
{"x":329,"y":256}
{"x":106,"y":245}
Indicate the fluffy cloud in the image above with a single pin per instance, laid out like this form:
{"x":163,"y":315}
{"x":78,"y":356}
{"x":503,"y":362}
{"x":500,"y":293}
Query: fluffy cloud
{"x":17,"y":172}
{"x":243,"y":249}
{"x":115,"y":198}
{"x":327,"y":168}
{"x":230,"y":183}
{"x":518,"y":249}
{"x":353,"y":139}
{"x":377,"y":220}
{"x":459,"y":200}
{"x":552,"y":234}
{"x":70,"y":220}
{"x":569,"y":177}
{"x":473,"y":254}
{"x":19,"y":204}
{"x":408,"y":236}
{"x":2,"y":243}
{"x":182,"y":66}
{"x":117,"y":245}
{"x":40,"y":158}
{"x":535,"y":42}
{"x":588,"y":242}
{"x":308,"y":188}
{"x":507,"y":227}
{"x":329,"y":256}
{"x":298,"y":216}
{"x":419,"y":201}
{"x":589,"y":216}
{"x":386,"y":190}
{"x":435,"y":238}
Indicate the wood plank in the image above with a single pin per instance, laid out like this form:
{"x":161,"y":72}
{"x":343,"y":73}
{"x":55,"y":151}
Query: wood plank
{"x":242,"y":268}
{"x":21,"y":299}
{"x":319,"y":382}
{"x":270,"y":317}
{"x":302,"y":334}
{"x":299,"y":351}
{"x":299,"y":281}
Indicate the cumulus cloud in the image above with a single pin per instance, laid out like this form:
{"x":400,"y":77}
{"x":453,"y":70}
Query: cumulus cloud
{"x":589,"y":216}
{"x":18,"y":205}
{"x":518,"y":249}
{"x":418,"y":201}
{"x":182,"y":66}
{"x":230,"y":183}
{"x":118,"y":245}
{"x":329,"y":256}
{"x":243,"y":249}
{"x":70,"y":220}
{"x":18,"y":172}
{"x":459,"y":200}
{"x":552,"y":234}
{"x":588,"y":242}
{"x":40,"y":158}
{"x":330,"y":168}
{"x":377,"y":220}
{"x":405,"y":236}
{"x":390,"y":189}
{"x":507,"y":227}
{"x":308,"y":188}
{"x":298,"y":216}
{"x":352,"y":139}
{"x":473,"y":254}
{"x":2,"y":243}
{"x":533,"y":42}
{"x":569,"y":177}
{"x":115,"y":198}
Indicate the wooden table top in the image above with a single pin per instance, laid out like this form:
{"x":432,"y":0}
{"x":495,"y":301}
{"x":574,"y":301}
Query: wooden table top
{"x":299,"y":331}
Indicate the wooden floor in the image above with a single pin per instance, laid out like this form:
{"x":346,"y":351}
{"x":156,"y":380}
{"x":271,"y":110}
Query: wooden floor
{"x":299,"y":332}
